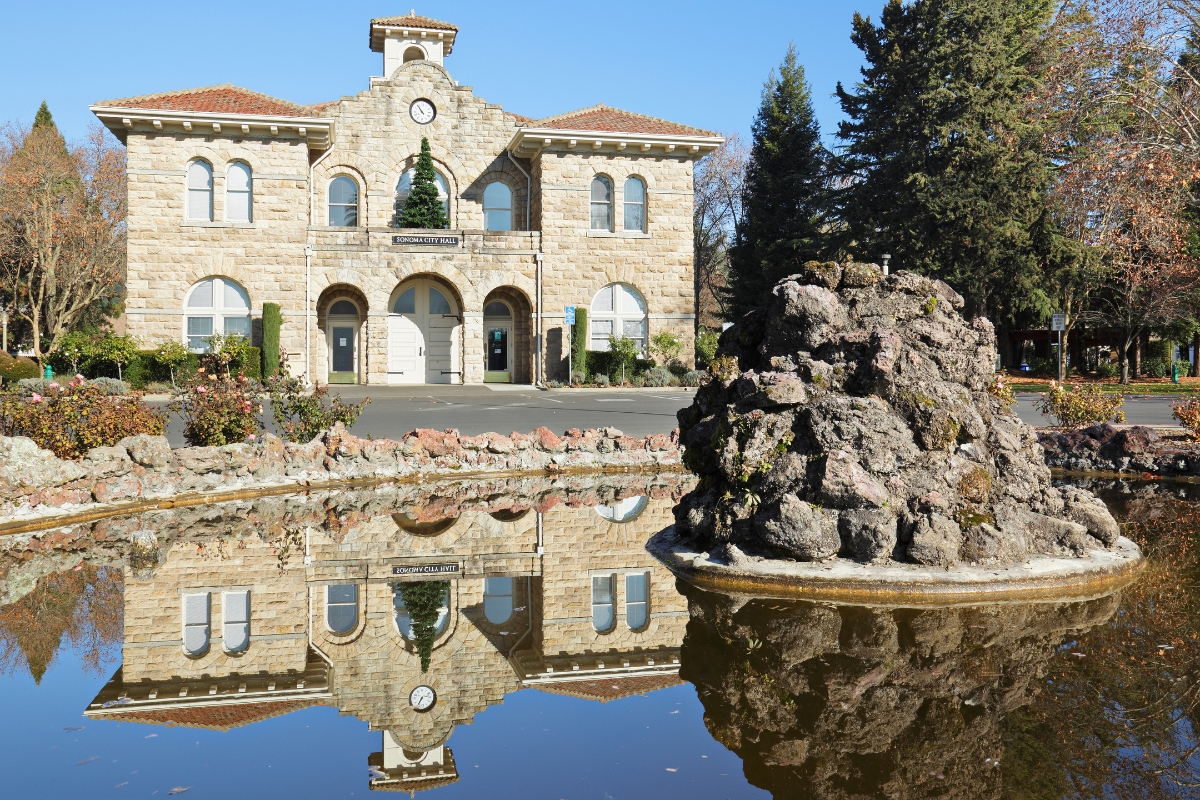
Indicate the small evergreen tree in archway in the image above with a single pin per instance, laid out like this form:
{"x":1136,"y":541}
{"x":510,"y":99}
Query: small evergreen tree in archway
{"x":422,"y":208}
{"x":424,"y":600}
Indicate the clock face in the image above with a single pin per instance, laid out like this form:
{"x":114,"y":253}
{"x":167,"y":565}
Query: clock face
{"x":422,"y":111}
{"x":422,"y":698}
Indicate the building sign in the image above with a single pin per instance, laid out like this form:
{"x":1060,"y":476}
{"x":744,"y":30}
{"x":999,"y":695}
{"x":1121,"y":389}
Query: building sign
{"x":427,"y":240}
{"x":426,"y":569}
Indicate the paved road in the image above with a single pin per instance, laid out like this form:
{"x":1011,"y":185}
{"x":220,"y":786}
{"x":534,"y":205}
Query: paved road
{"x":1142,"y":410}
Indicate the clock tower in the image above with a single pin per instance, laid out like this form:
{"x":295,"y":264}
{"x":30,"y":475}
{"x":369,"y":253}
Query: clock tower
{"x":411,"y":38}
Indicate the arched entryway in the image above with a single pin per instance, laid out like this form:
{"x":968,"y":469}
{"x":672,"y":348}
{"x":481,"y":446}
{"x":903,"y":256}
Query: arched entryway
{"x":507,"y":348}
{"x":424,"y":333}
{"x":341,"y":313}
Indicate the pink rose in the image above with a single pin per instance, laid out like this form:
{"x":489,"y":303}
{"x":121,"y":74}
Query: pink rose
{"x":80,"y":378}
{"x":201,"y":390}
{"x":37,"y":398}
{"x":252,"y":437}
{"x":53,"y":385}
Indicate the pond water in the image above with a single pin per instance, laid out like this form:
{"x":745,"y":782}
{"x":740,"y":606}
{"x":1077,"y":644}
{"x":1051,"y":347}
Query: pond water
{"x":513,"y":638}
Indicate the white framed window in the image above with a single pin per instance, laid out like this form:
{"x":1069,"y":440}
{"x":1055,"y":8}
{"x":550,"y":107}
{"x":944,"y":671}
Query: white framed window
{"x":618,"y":310}
{"x":625,"y":510}
{"x":215,"y":305}
{"x":343,"y":202}
{"x":635,"y":205}
{"x":404,"y":186}
{"x":438,"y":304}
{"x":199,"y":192}
{"x":235,"y":621}
{"x":497,"y":207}
{"x":404,"y":620}
{"x":196,"y":623}
{"x":239,"y":193}
{"x":603,"y":590}
{"x":341,"y":607}
{"x":637,"y":599}
{"x":602,"y":196}
{"x":406,"y":303}
{"x":497,"y":600}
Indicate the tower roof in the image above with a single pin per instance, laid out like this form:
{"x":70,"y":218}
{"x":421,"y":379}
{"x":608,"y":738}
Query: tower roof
{"x":411,"y":21}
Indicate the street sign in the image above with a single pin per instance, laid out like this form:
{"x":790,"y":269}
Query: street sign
{"x":1058,"y":322}
{"x":570,"y":315}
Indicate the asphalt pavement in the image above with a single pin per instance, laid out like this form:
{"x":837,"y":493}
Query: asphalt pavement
{"x":1139,"y":410}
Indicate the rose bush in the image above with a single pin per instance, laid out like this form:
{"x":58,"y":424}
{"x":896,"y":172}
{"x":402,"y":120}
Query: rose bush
{"x":1081,"y":405}
{"x":218,"y":410}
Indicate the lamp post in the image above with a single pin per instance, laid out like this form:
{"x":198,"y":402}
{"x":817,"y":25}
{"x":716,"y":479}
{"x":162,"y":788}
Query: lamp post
{"x":886,"y":258}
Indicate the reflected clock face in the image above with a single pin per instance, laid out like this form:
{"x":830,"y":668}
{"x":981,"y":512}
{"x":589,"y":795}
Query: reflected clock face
{"x":422,"y":112}
{"x":422,"y":698}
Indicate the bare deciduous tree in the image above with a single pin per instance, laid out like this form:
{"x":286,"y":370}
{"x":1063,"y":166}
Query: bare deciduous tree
{"x":717,"y":209}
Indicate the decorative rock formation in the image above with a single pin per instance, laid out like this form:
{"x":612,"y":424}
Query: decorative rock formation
{"x":853,"y":416}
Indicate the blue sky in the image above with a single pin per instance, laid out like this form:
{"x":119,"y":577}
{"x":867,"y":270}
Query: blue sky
{"x":701,"y":63}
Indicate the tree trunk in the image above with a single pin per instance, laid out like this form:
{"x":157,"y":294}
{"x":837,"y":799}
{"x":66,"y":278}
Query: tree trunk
{"x":1123,"y":358}
{"x":1137,"y":357}
{"x":1062,"y":354}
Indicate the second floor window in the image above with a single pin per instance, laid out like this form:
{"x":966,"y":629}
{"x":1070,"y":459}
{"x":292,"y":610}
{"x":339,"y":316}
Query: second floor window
{"x":238,"y":193}
{"x":635,"y":205}
{"x":601,"y":203}
{"x":343,"y":202}
{"x":497,"y":207}
{"x":199,"y":192}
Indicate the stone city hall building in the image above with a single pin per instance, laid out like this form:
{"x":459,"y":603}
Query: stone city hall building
{"x":237,"y":198}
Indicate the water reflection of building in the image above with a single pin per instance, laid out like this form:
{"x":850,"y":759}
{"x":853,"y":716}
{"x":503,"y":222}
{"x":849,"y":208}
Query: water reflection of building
{"x":566,"y":601}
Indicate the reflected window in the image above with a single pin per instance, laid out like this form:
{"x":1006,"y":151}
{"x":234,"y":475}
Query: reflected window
{"x":497,"y":207}
{"x":419,"y":527}
{"x":635,"y":205}
{"x":438,"y":304}
{"x":602,"y":602}
{"x":215,"y":305}
{"x":637,"y":600}
{"x":343,"y":202}
{"x":196,"y":626}
{"x":235,"y":630}
{"x":406,"y":303}
{"x":618,"y":310}
{"x":497,"y":600}
{"x":623,"y":510}
{"x":239,"y":194}
{"x":199,"y":191}
{"x":404,"y":621}
{"x":601,"y":203}
{"x":341,"y":607}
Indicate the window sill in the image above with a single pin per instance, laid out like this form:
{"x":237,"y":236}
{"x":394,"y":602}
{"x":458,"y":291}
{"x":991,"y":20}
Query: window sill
{"x":195,"y":224}
{"x":618,"y":234}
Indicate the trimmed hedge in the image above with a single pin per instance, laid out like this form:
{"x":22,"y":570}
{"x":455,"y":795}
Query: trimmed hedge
{"x":272,"y":321}
{"x":14,"y":369}
{"x":600,"y":363}
{"x":579,"y":341}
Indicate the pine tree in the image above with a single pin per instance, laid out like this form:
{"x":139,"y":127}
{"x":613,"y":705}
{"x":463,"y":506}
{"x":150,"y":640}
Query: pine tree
{"x":43,"y":118}
{"x":422,"y":208}
{"x":784,"y":198}
{"x":940,"y":167}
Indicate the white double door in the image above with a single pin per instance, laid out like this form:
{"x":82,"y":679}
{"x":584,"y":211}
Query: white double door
{"x":424,"y":328}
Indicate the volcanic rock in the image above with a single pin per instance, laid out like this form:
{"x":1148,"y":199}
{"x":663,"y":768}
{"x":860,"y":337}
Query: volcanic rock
{"x":860,"y":404}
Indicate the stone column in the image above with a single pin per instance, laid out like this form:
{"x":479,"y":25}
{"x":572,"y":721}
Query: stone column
{"x":472,"y":347}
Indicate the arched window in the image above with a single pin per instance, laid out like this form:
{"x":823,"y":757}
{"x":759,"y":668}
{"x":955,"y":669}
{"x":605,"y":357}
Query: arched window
{"x":404,"y":622}
{"x":341,"y":608}
{"x":343,"y":202}
{"x":497,"y":309}
{"x":199,"y":191}
{"x":215,"y":305}
{"x":618,"y":310}
{"x":497,"y":207}
{"x":195,"y":623}
{"x":497,"y":600}
{"x":235,"y":609}
{"x":637,"y":599}
{"x":343,"y":308}
{"x":405,"y":186}
{"x":623,"y":510}
{"x":406,"y":303}
{"x":635,"y":205}
{"x":239,"y":193}
{"x":603,"y":617}
{"x":438,"y":304}
{"x":413,"y":53}
{"x":601,"y":204}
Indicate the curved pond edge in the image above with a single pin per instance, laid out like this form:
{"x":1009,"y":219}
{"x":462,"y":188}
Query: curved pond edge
{"x":843,"y":581}
{"x":59,"y":517}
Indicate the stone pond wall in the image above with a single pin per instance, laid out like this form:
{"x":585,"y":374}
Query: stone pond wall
{"x":35,"y":481}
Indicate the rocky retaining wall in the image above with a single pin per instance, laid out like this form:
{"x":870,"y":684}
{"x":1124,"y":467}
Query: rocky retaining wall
{"x":1106,"y":448}
{"x":34,"y":481}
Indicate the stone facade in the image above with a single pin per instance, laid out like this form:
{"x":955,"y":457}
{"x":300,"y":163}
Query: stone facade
{"x":550,"y":253}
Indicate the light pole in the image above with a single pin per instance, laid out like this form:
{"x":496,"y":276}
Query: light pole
{"x":886,"y":258}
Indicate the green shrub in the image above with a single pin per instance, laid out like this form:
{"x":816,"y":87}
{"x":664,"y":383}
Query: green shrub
{"x":217,"y":410}
{"x":1081,"y":405}
{"x":601,"y":380}
{"x":599,"y":362}
{"x":14,"y":369}
{"x":706,"y":347}
{"x":665,"y":347}
{"x":579,"y":342}
{"x":693,"y":378}
{"x":660,"y":377}
{"x":115,"y":350}
{"x":623,"y":356}
{"x":301,"y":415}
{"x":74,"y":418}
{"x":1107,"y":369}
{"x":112,"y":387}
{"x":172,"y":355}
{"x":1156,"y":367}
{"x":272,"y":321}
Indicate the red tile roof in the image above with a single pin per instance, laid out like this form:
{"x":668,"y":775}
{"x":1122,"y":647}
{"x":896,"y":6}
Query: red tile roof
{"x":215,"y":717}
{"x":614,"y":120}
{"x":414,"y":21}
{"x":223,"y":99}
{"x":606,"y":689}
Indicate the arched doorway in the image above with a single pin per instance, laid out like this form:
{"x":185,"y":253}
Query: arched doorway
{"x":341,"y":341}
{"x":507,"y":331}
{"x":424,"y":329}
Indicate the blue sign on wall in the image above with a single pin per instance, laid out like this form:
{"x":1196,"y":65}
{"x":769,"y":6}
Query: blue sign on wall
{"x":570,"y":315}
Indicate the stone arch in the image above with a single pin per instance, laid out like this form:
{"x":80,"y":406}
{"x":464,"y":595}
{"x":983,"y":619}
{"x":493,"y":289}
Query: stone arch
{"x":414,"y":339}
{"x":445,"y":169}
{"x":521,"y":337}
{"x":330,"y":295}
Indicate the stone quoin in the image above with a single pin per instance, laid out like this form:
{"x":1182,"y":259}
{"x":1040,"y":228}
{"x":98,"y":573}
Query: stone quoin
{"x":237,"y":199}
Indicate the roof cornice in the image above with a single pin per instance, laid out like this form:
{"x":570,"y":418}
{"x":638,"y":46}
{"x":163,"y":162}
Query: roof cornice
{"x":528,"y":141}
{"x":318,"y":132}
